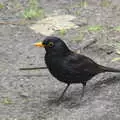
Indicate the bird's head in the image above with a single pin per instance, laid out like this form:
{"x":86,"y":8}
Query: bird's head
{"x":53,"y":45}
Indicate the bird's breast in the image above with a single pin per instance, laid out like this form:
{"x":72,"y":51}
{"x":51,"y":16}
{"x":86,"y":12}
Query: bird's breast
{"x":53,"y":64}
{"x":55,"y":67}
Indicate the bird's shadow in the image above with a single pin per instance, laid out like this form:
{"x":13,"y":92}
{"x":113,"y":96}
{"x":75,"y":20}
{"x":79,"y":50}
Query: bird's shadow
{"x":108,"y":81}
{"x":54,"y":96}
{"x":72,"y":100}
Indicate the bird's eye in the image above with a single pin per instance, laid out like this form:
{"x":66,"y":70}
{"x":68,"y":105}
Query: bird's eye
{"x":50,"y":44}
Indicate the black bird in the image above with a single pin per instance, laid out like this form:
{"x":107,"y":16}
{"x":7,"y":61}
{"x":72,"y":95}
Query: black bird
{"x":67,"y":66}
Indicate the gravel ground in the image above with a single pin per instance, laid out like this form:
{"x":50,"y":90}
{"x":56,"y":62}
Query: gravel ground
{"x":31,"y":95}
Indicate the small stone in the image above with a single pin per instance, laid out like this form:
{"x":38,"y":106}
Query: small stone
{"x":24,"y":94}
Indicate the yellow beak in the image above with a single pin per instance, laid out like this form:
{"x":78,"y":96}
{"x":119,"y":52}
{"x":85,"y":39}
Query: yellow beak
{"x":39,"y":44}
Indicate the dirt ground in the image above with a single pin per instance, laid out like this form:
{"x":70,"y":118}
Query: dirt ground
{"x":31,"y":95}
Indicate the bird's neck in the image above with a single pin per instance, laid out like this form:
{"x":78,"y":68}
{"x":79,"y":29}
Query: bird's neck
{"x":59,"y":53}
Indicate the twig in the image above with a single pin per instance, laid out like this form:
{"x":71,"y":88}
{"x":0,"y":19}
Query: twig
{"x":34,"y":68}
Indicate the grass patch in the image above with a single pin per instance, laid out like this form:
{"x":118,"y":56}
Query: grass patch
{"x":7,"y":101}
{"x":33,"y":11}
{"x":117,"y":28}
{"x":83,"y":3}
{"x":105,"y":3}
{"x":115,"y":59}
{"x":1,"y":6}
{"x":62,"y":32}
{"x":95,"y":28}
{"x":77,"y":13}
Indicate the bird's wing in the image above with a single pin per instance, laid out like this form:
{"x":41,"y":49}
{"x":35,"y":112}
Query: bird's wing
{"x":80,"y":63}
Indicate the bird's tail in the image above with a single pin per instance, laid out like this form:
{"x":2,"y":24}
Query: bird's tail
{"x":109,"y":69}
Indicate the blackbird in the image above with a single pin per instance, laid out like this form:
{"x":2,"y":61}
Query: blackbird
{"x":68,"y":66}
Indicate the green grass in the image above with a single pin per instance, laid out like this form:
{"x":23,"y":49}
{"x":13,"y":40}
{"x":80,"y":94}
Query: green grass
{"x":83,"y":3}
{"x":105,"y":3}
{"x":115,"y":59}
{"x":7,"y":101}
{"x":77,"y":13}
{"x":117,"y":28}
{"x":62,"y":32}
{"x":33,"y":11}
{"x":1,"y":6}
{"x":95,"y":28}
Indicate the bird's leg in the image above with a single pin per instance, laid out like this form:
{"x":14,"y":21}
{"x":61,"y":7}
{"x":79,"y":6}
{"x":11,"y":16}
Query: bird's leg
{"x":63,"y":92}
{"x":83,"y":89}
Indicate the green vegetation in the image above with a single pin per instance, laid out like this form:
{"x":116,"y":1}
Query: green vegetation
{"x":117,"y":28}
{"x":95,"y":28}
{"x":83,"y":3}
{"x":1,"y":6}
{"x":33,"y":11}
{"x":117,"y":58}
{"x":62,"y":32}
{"x":77,"y":13}
{"x":7,"y":101}
{"x":105,"y":3}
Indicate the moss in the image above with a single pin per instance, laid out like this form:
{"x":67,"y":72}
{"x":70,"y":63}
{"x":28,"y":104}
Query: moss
{"x":95,"y":28}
